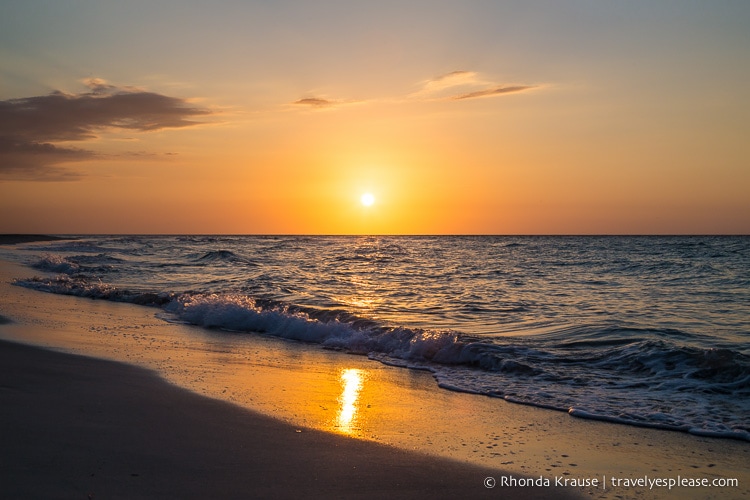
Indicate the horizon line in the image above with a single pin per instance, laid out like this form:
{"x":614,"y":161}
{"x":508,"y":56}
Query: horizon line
{"x":307,"y":235}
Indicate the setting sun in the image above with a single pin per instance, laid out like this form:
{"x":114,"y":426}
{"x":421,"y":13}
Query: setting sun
{"x":367,"y":199}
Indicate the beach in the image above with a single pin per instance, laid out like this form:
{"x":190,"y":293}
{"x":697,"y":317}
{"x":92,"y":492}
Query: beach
{"x":75,"y":427}
{"x":210,"y":414}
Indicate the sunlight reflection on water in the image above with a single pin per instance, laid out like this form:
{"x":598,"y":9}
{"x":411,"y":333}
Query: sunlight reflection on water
{"x":351,"y":383}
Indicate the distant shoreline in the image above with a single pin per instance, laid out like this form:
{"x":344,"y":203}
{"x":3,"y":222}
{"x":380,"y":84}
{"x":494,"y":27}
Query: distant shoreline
{"x":13,"y":239}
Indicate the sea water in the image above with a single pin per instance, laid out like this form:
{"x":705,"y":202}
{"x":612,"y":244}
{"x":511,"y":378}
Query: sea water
{"x":648,"y":331}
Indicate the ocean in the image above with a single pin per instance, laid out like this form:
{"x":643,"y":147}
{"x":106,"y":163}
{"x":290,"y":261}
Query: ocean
{"x":647,"y":331}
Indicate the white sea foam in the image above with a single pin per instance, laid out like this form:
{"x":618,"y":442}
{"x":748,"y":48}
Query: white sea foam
{"x":56,"y":264}
{"x":241,"y":313}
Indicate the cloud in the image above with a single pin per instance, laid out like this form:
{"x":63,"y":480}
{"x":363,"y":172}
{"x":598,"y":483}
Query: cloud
{"x":30,"y":126}
{"x":454,"y":86}
{"x":492,"y":92}
{"x":450,"y":80}
{"x":321,"y":102}
{"x":315,"y":102}
{"x":23,"y":160}
{"x":460,"y":85}
{"x":97,"y":85}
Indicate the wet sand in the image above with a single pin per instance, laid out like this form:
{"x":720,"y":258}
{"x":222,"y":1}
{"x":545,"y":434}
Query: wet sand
{"x":76,"y":427}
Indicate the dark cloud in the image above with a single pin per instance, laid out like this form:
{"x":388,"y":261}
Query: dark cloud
{"x":492,"y":92}
{"x":315,"y":102}
{"x":30,"y":126}
{"x":23,"y":160}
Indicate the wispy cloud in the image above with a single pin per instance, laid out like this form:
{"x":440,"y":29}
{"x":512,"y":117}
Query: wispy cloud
{"x":454,"y":86}
{"x":315,"y":102}
{"x":460,"y":85}
{"x":492,"y":92}
{"x":323,"y":102}
{"x":30,"y":127}
{"x":449,"y":81}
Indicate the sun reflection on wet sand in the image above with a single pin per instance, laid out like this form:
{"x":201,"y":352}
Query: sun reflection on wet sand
{"x":351,"y":382}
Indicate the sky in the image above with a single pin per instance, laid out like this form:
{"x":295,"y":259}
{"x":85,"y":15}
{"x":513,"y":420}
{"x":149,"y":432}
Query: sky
{"x":458,"y":117}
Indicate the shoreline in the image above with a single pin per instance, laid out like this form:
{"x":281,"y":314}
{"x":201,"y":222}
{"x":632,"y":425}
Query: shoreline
{"x":15,"y":239}
{"x":395,"y":406}
{"x":75,"y":427}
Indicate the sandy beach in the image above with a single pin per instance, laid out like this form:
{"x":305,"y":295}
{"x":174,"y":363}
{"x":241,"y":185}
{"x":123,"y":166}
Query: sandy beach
{"x":78,"y":426}
{"x":75,"y":427}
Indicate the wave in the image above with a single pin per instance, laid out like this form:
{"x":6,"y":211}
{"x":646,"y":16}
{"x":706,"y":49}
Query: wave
{"x":56,"y":264}
{"x":331,"y":329}
{"x":224,"y":256}
{"x":74,"y":246}
{"x":77,"y":264}
{"x":81,"y":286}
{"x":655,"y":378}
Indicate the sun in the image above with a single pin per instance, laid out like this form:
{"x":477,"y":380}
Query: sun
{"x":367,"y":199}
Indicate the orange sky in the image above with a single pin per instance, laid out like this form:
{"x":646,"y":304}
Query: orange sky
{"x":510,"y":118}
